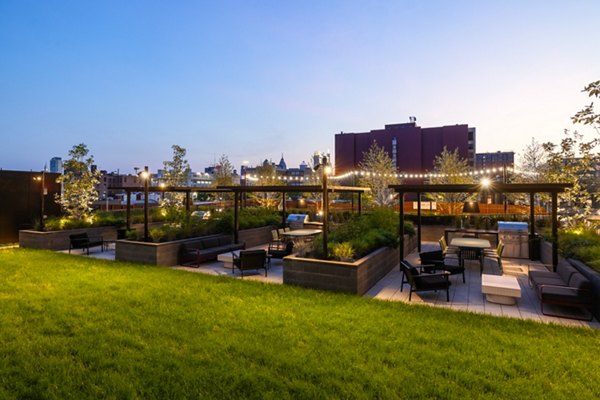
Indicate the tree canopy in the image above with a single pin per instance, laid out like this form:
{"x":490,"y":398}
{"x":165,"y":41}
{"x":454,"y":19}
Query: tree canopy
{"x":79,"y":184}
{"x":379,"y":172}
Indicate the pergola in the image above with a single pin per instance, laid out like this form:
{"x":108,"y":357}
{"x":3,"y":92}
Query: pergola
{"x":532,"y":188}
{"x":238,"y":190}
{"x":164,"y":189}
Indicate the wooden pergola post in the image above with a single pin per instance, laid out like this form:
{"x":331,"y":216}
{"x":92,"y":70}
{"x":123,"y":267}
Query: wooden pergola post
{"x":401,"y":245}
{"x":284,"y":210}
{"x":128,"y":213}
{"x":236,"y":218}
{"x":554,"y":230}
{"x":419,"y":221}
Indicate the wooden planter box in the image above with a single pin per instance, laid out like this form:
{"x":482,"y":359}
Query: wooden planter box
{"x":167,"y":253}
{"x":350,"y":277}
{"x":59,"y":240}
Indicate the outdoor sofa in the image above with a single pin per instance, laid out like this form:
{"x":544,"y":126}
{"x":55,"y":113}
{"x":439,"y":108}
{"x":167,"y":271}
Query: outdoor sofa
{"x":566,"y":287}
{"x":207,"y":249}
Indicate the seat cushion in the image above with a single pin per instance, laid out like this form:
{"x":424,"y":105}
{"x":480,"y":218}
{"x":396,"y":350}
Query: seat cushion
{"x":211,"y":242}
{"x":580,"y":282}
{"x":565,"y":295}
{"x":223,"y":240}
{"x":565,"y":271}
{"x":554,"y":281}
{"x":425,"y":282}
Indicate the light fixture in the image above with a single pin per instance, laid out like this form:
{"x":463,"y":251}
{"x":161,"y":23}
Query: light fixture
{"x":486,"y":182}
{"x":470,"y":207}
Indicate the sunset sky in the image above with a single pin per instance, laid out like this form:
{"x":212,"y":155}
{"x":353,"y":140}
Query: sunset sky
{"x":255,"y":79}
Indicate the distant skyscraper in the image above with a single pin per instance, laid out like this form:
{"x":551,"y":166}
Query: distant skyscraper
{"x":56,"y":165}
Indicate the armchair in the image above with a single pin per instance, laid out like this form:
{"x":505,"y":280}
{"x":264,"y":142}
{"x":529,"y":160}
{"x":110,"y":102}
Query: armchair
{"x":450,"y":265}
{"x":250,"y":260}
{"x":423,"y":282}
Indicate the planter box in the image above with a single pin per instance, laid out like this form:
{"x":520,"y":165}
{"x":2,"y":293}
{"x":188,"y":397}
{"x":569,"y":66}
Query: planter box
{"x":149,"y":253}
{"x":59,"y":240}
{"x":255,"y":236}
{"x":167,"y":253}
{"x":350,"y":277}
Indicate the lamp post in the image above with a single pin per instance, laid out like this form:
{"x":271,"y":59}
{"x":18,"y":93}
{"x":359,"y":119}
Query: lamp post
{"x":146,"y":177}
{"x":326,"y":171}
{"x":42,"y":180}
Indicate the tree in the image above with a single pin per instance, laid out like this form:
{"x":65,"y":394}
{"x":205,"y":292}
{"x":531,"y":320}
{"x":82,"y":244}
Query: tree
{"x":267,"y":176}
{"x":587,"y":116}
{"x":574,"y":161}
{"x":378,"y":172}
{"x":532,"y":163}
{"x":223,"y":172}
{"x":532,"y":168}
{"x":79,"y":184}
{"x":175,"y":174}
{"x":449,"y":168}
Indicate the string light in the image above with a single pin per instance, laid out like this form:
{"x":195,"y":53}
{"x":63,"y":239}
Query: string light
{"x":402,"y":175}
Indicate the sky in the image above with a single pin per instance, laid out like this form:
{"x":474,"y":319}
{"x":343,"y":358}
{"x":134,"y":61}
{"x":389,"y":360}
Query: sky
{"x":257,"y":79}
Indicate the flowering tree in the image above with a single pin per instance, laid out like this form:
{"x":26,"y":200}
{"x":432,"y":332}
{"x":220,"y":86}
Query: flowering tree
{"x":175,"y":174}
{"x":379,"y":172}
{"x":449,"y":168}
{"x":79,"y":184}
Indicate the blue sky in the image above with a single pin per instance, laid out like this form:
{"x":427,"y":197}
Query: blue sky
{"x":254,"y":79}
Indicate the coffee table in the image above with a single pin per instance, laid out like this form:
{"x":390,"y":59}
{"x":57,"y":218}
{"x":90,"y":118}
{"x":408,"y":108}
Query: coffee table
{"x":503,"y":289}
{"x":227,"y":258}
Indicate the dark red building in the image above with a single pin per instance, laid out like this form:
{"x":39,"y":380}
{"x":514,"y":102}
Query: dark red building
{"x":412,"y":148}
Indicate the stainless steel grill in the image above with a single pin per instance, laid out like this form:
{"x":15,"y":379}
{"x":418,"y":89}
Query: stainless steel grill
{"x":296,"y":221}
{"x":515,"y":236}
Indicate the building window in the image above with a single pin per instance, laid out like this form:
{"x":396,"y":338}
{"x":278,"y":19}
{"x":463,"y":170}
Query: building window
{"x":395,"y":152}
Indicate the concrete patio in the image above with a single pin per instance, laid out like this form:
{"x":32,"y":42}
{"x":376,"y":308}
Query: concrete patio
{"x":463,"y":296}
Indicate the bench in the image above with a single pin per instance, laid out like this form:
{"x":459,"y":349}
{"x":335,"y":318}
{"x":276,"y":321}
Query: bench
{"x":83,"y":241}
{"x":566,"y":287}
{"x":207,"y":249}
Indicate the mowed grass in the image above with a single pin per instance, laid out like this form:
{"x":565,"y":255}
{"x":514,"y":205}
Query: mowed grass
{"x":72,"y":327}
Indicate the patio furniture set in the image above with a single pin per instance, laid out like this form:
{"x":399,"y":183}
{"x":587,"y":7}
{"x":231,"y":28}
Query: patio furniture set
{"x":436,"y":267}
{"x":281,"y":245}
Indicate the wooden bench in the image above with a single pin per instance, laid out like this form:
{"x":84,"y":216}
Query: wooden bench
{"x":83,"y":241}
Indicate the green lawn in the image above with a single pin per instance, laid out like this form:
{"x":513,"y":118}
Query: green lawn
{"x":74,"y":327}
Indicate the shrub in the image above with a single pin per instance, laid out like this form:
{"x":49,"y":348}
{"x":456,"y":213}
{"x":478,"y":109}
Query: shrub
{"x":370,"y":231}
{"x":342,"y":251}
{"x":580,"y":244}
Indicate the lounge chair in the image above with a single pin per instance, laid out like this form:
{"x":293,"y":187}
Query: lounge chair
{"x":423,"y":282}
{"x":250,"y":260}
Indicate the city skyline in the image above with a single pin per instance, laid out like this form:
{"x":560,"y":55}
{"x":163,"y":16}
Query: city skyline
{"x":254,"y":81}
